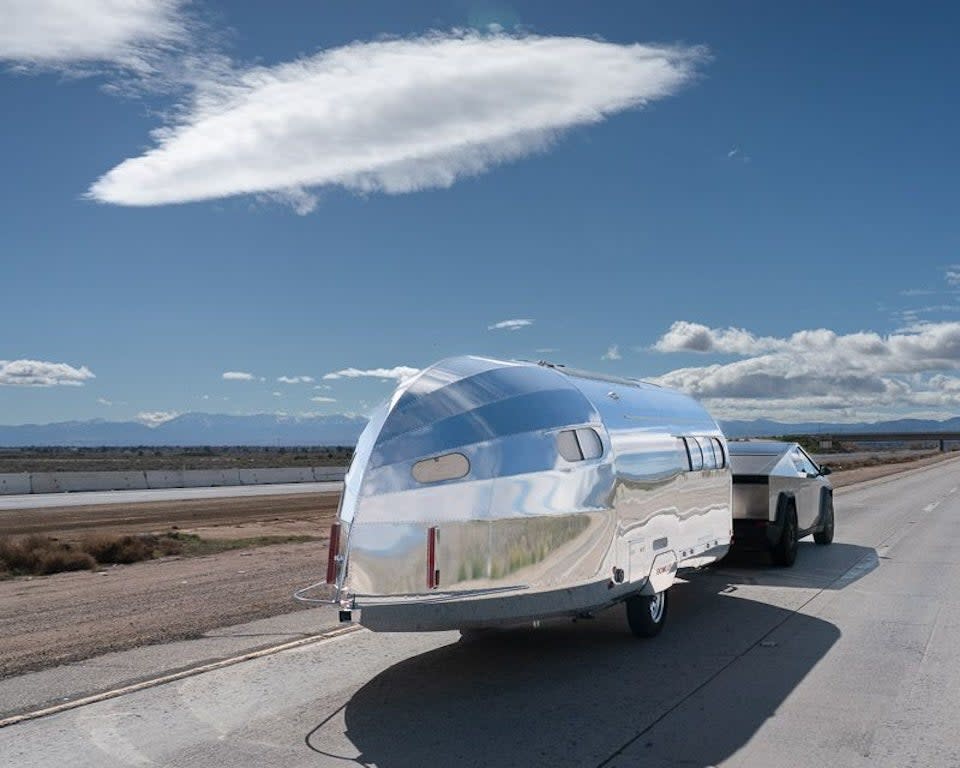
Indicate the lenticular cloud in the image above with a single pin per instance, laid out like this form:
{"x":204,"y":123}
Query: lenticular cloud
{"x":391,"y":116}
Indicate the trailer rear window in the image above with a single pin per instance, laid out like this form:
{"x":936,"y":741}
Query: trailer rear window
{"x":450,"y":466}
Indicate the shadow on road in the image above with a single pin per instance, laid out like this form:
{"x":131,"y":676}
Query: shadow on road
{"x":832,"y":567}
{"x":587,"y":693}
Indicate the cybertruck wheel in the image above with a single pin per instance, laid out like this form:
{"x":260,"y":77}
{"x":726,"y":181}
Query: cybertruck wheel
{"x":784,"y":552}
{"x":646,"y":614}
{"x":825,"y":535}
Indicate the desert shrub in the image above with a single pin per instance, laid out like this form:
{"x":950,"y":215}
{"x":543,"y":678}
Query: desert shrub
{"x":65,"y":558}
{"x":41,"y":555}
{"x":118,"y":549}
{"x":169,"y":544}
{"x":22,"y":555}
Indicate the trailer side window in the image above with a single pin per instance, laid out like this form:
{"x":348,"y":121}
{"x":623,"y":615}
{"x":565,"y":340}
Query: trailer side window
{"x":451,"y":466}
{"x":721,"y":455}
{"x":709,"y":457}
{"x":695,"y":454}
{"x":579,"y":444}
{"x":590,"y":444}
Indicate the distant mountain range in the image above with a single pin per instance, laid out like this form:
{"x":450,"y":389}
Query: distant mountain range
{"x":192,"y":429}
{"x":767,"y":428}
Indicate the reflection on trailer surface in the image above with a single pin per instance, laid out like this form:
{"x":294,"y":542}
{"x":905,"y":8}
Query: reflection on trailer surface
{"x":487,"y":492}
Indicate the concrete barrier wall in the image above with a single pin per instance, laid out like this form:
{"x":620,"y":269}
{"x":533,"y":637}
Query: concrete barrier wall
{"x":14,"y":483}
{"x":164,"y":478}
{"x":60,"y":482}
{"x":210,"y":478}
{"x":328,"y":474}
{"x":278,"y":475}
{"x":57,"y":482}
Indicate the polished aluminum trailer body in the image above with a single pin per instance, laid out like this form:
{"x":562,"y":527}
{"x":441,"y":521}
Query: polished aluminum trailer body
{"x":487,"y":492}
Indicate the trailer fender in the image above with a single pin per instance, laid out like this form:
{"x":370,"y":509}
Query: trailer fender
{"x":662,"y":573}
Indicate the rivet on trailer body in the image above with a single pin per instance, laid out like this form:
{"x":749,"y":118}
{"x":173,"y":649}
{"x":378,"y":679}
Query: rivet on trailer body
{"x":346,"y":616}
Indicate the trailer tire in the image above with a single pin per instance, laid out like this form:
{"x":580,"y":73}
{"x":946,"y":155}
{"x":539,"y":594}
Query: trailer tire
{"x":646,"y":614}
{"x":784,"y":552}
{"x":825,"y":535}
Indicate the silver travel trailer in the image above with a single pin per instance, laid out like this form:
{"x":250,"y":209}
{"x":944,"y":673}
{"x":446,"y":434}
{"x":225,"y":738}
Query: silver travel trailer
{"x":488,"y":493}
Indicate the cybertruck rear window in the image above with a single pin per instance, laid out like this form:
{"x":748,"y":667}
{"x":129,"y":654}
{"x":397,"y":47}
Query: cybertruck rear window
{"x":579,"y":444}
{"x":450,"y":466}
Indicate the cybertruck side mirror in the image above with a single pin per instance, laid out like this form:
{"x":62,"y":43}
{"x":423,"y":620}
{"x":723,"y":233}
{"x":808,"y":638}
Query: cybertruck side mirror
{"x":825,"y":470}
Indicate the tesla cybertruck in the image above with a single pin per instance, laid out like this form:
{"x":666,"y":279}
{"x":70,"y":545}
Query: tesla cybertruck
{"x":487,"y":493}
{"x":780,"y":495}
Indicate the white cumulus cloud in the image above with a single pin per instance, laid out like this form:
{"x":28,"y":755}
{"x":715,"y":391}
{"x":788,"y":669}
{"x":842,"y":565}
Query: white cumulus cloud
{"x":820,"y":372}
{"x":612,"y":353}
{"x":320,"y":399}
{"x":295,"y":379}
{"x":62,"y":32}
{"x":391,"y":116}
{"x":156,"y":418}
{"x":510,"y":325}
{"x":684,"y":336}
{"x":38,"y":373}
{"x":237,"y":376}
{"x":400,"y":373}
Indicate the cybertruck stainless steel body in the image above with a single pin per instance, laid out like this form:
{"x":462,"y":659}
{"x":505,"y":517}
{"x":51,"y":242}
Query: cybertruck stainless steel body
{"x":780,"y":495}
{"x":487,"y":492}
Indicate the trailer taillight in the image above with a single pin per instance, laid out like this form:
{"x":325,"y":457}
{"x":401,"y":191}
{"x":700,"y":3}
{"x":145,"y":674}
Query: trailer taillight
{"x":333,"y":553}
{"x":433,"y":573}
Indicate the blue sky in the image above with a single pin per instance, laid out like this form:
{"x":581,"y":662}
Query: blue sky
{"x":758,"y":206}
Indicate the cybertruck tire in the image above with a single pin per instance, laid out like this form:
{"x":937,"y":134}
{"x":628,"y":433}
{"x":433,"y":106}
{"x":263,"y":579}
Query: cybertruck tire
{"x":825,"y":535}
{"x":784,"y":552}
{"x":646,"y":614}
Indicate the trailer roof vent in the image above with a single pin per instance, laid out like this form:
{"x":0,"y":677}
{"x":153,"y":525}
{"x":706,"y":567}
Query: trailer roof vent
{"x":450,"y":466}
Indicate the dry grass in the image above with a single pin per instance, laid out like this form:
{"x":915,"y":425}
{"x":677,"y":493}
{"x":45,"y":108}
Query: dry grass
{"x":38,"y":555}
{"x":41,"y":555}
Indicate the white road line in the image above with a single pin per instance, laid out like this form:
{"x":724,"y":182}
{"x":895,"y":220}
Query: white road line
{"x":163,"y":679}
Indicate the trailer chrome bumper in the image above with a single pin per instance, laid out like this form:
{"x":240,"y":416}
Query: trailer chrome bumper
{"x":504,"y":606}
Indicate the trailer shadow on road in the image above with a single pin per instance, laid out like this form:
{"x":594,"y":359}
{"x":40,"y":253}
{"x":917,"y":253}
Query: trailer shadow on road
{"x":589,"y":693}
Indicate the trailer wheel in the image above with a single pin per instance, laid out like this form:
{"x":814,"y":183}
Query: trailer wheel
{"x":784,"y":552}
{"x":825,"y":535}
{"x":646,"y":614}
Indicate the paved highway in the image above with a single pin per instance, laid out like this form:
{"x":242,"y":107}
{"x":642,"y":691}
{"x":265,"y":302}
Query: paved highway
{"x":848,"y":659}
{"x":89,"y":498}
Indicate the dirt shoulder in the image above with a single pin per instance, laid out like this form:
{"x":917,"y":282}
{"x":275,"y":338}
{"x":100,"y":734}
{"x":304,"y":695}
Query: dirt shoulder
{"x":863,"y":474}
{"x":50,"y":620}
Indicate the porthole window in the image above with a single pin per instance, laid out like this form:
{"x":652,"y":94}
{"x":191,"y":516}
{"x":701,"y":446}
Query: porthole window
{"x":450,"y":466}
{"x":579,"y":444}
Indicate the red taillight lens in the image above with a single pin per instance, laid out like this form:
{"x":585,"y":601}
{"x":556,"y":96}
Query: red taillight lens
{"x":332,"y":554}
{"x":433,"y":573}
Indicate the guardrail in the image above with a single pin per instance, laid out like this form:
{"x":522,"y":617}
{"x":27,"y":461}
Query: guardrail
{"x":143,"y":480}
{"x":941,"y":438}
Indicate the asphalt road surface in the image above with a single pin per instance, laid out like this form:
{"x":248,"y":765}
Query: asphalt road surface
{"x":96,"y":498}
{"x":848,"y":659}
